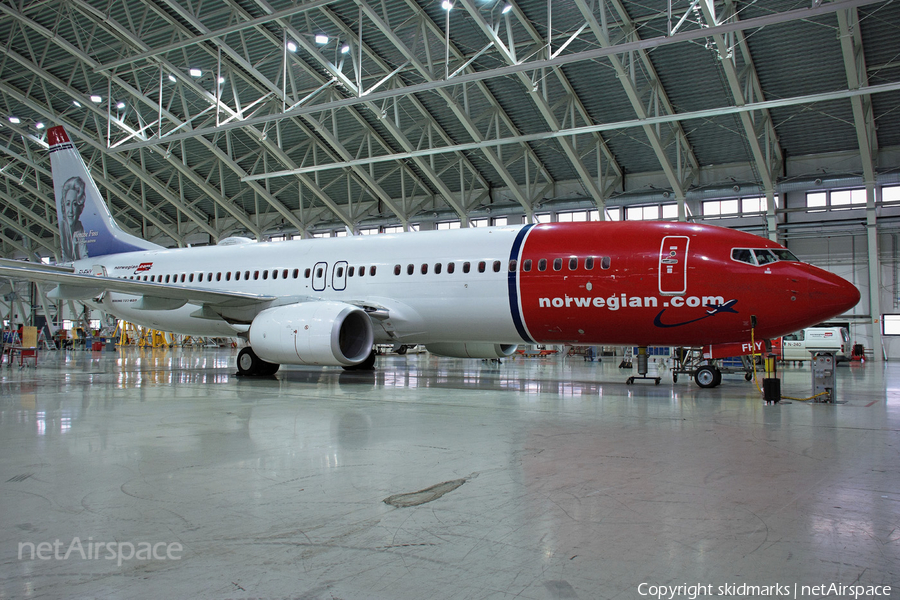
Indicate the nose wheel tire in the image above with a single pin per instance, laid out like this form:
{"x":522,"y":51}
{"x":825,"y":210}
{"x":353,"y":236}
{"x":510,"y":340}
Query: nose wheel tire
{"x":708,"y":376}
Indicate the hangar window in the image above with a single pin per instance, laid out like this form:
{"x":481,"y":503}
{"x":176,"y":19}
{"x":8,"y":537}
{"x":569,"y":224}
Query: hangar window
{"x":512,"y":265}
{"x":409,"y":269}
{"x":481,"y":266}
{"x":542,"y":264}
{"x":351,"y":271}
{"x":605,"y":262}
{"x":573,"y":264}
{"x":589,"y":263}
{"x":557,"y":264}
{"x":437,"y":268}
{"x":816,"y":201}
{"x":451,"y":267}
{"x":496,"y":266}
{"x":396,"y":269}
{"x":424,"y":269}
{"x":526,"y":265}
{"x":466,"y":267}
{"x":890,"y":324}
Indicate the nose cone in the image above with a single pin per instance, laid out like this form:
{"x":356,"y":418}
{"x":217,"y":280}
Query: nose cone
{"x":830,"y":295}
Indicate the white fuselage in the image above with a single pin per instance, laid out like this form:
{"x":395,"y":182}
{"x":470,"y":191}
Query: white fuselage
{"x":423,"y":307}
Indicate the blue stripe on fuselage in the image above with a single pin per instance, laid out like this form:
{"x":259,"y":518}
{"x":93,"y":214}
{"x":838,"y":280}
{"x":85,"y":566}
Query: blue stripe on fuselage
{"x":514,"y":288}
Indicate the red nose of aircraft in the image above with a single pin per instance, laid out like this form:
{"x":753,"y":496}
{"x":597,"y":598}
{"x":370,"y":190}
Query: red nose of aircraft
{"x":830,"y":295}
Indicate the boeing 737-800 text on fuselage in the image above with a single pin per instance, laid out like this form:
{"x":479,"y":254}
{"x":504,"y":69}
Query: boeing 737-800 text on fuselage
{"x":468,"y":293}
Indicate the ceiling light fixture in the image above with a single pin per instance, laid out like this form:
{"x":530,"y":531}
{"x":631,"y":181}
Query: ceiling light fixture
{"x":196,"y":73}
{"x":96,"y":99}
{"x":292,"y":46}
{"x":321,"y":39}
{"x":506,"y":8}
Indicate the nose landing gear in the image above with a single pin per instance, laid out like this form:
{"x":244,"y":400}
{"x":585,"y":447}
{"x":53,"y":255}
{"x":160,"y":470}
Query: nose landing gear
{"x":642,"y":368}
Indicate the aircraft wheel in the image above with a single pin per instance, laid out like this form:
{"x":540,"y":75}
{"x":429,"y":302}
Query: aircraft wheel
{"x":247,"y":362}
{"x":629,"y":381}
{"x":674,"y":378}
{"x":705,"y":376}
{"x":658,"y":380}
{"x":267,"y":369}
{"x":748,"y":376}
{"x":401,"y":350}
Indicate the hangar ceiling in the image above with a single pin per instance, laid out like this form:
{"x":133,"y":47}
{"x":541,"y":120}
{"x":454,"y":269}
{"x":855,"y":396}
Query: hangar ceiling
{"x":202,"y":120}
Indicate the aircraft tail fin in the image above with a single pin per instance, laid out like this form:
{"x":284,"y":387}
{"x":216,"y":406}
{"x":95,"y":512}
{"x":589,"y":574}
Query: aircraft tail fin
{"x":86,"y":227}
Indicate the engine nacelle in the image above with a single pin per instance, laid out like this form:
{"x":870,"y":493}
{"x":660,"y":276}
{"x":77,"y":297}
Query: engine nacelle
{"x":312,"y":333}
{"x":471,"y":350}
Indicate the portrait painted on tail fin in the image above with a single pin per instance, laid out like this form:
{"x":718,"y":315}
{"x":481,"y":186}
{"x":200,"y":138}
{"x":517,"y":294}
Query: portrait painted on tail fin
{"x":72,"y":236}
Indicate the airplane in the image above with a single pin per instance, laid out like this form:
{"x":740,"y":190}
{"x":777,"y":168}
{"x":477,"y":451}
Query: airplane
{"x":470,"y":293}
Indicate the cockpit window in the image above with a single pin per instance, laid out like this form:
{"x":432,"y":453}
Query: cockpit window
{"x":784,"y":254}
{"x":743,"y":255}
{"x":762,"y":256}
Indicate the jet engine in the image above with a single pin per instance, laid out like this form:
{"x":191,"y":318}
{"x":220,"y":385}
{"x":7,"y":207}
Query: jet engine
{"x":471,"y":350}
{"x":312,"y":333}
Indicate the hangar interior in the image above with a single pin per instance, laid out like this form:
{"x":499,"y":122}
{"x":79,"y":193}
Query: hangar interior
{"x":446,"y":478}
{"x":202,"y":121}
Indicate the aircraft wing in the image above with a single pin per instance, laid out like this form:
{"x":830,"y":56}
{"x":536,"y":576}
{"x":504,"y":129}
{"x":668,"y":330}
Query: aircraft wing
{"x":159,"y":296}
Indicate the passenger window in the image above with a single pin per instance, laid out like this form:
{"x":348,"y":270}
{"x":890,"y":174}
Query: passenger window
{"x":437,"y":268}
{"x":145,"y":278}
{"x":481,"y":266}
{"x":557,"y":264}
{"x":743,"y":255}
{"x":409,"y":269}
{"x":237,"y":275}
{"x":209,"y":276}
{"x":542,"y":264}
{"x":167,"y":278}
{"x":319,"y":273}
{"x":274,"y":273}
{"x":424,"y":269}
{"x":182,"y":278}
{"x":589,"y":263}
{"x":362,"y":271}
{"x":605,"y":262}
{"x":153,"y":278}
{"x":451,"y":267}
{"x":255,"y":275}
{"x":296,"y":273}
{"x":218,"y":277}
{"x":266,"y":274}
{"x":466,"y":267}
{"x":372,"y":270}
{"x":351,"y":271}
{"x":340,"y":272}
{"x":573,"y":264}
{"x":190,"y":279}
{"x":228,"y":276}
{"x":284,"y":274}
{"x":512,"y":265}
{"x":396,"y":269}
{"x":306,"y":273}
{"x":246,"y":274}
{"x":526,"y":265}
{"x":496,"y":266}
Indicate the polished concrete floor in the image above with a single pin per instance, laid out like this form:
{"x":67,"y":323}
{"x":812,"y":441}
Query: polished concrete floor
{"x":538,"y":478}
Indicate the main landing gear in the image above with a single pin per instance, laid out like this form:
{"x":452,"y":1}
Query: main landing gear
{"x":249,"y":364}
{"x":642,"y":368}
